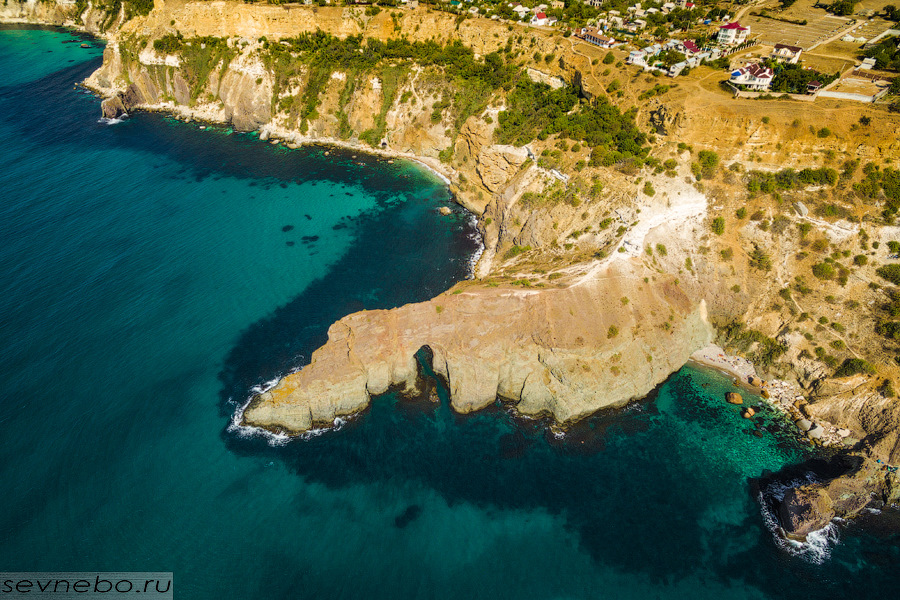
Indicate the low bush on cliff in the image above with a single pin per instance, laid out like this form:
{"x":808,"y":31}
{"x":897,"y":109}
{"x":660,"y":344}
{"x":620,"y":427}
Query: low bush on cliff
{"x":515,"y":251}
{"x":890,"y":272}
{"x":878,"y":182}
{"x":171,"y":43}
{"x":786,"y":179}
{"x":319,"y":54}
{"x":854,"y":366}
{"x":761,"y":349}
{"x":535,"y":110}
{"x":112,"y":9}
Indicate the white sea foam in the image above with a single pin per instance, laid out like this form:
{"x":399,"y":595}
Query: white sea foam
{"x":476,"y":256}
{"x":818,"y":545}
{"x":237,"y":428}
{"x":248,"y":431}
{"x":116,"y":121}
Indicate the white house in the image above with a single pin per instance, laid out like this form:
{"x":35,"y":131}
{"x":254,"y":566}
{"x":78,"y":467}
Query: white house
{"x":521,"y":10}
{"x":541,"y":19}
{"x":594,"y":36}
{"x":636,"y":57}
{"x":677,"y":68}
{"x":753,"y":77}
{"x":787,"y":54}
{"x":732,"y":34}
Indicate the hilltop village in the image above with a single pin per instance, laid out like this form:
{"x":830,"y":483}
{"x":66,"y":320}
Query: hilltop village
{"x":648,"y":178}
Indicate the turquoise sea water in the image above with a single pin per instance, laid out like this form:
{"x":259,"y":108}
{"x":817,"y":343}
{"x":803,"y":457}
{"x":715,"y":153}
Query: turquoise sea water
{"x":153,"y":273}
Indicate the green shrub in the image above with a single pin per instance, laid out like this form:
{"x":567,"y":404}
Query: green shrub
{"x":759,"y":259}
{"x":890,"y":272}
{"x":515,"y":251}
{"x":823,"y":271}
{"x":741,"y":213}
{"x":718,"y":226}
{"x":854,"y":366}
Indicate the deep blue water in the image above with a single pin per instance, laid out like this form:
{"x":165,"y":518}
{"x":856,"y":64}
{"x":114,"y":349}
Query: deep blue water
{"x":152,"y":273}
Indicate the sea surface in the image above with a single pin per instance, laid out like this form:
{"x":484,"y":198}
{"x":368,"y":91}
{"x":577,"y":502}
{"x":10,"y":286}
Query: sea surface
{"x":153,"y":273}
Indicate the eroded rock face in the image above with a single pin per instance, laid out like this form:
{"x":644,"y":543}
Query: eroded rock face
{"x":565,"y":353}
{"x":853,"y":483}
{"x":112,"y":108}
{"x":497,"y":164}
{"x":804,"y":510}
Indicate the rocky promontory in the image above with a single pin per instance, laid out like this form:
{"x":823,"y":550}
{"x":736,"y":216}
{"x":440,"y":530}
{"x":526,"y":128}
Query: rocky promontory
{"x":564,"y":352}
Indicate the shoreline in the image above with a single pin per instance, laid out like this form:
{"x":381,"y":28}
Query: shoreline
{"x":293,"y":139}
{"x":784,"y":396}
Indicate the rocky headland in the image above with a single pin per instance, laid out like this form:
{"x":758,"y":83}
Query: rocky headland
{"x":603,"y":272}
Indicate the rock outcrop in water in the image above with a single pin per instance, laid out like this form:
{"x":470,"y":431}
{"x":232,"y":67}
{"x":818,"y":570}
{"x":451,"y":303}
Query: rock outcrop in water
{"x":850,"y":484}
{"x":564,"y":352}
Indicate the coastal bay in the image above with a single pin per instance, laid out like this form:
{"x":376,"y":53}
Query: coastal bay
{"x":444,"y":492}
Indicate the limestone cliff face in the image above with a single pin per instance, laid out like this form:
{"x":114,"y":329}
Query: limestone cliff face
{"x":60,"y":12}
{"x":33,"y":11}
{"x":564,"y":352}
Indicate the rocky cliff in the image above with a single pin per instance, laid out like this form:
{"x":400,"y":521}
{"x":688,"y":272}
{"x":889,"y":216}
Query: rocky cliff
{"x":565,"y":353}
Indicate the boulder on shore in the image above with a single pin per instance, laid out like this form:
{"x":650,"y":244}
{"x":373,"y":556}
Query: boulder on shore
{"x":733,"y":398}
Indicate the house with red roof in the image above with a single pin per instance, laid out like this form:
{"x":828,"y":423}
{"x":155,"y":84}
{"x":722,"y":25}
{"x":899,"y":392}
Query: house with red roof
{"x":732,"y":34}
{"x":540,"y":18}
{"x":754,"y":77}
{"x":690,"y":48}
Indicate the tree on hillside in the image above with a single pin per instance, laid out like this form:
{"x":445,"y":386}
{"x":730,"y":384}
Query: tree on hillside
{"x":886,"y":54}
{"x":670,"y":57}
{"x":843,"y":8}
{"x":794,"y":79}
